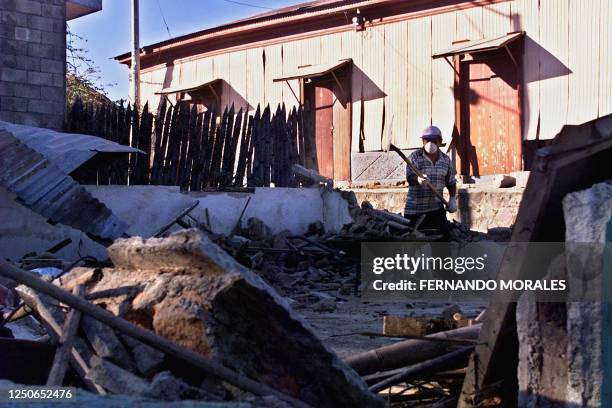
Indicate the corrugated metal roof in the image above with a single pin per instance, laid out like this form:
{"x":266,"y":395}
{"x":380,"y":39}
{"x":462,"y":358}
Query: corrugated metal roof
{"x":67,"y":151}
{"x":47,"y":190}
{"x":485,"y":44}
{"x":187,"y":88}
{"x":313,"y":71}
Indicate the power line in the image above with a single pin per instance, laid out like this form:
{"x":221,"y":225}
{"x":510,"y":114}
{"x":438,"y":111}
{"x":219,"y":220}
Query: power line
{"x":164,"y":19}
{"x":247,"y":4}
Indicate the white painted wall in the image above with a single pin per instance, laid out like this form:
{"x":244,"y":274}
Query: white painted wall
{"x":147,"y":208}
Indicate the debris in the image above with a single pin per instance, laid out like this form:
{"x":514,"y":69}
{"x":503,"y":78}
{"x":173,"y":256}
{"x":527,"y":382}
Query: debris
{"x":309,"y":177}
{"x":409,"y":352}
{"x":115,"y":379}
{"x":167,"y":387}
{"x":105,"y":343}
{"x":506,"y":181}
{"x":147,"y":358}
{"x":60,"y":362}
{"x":450,"y":312}
{"x":325,"y":305}
{"x":6,"y":297}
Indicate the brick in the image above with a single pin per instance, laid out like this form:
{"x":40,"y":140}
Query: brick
{"x":13,"y":75}
{"x":54,"y":11}
{"x":14,"y":47}
{"x":30,"y":119}
{"x":7,"y":31}
{"x":8,"y":60}
{"x":40,"y":78}
{"x":40,"y":23}
{"x":14,"y":104}
{"x":52,"y":65}
{"x":59,"y":80}
{"x":53,"y":93}
{"x":7,"y":88}
{"x":28,"y":7}
{"x":54,"y":39}
{"x":45,"y":106}
{"x":14,"y":18}
{"x":7,"y":4}
{"x":27,"y":63}
{"x":25,"y":34}
{"x":27,"y":91}
{"x":42,"y":51}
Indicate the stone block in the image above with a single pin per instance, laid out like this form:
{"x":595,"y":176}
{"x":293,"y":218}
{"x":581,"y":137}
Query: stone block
{"x":14,"y":47}
{"x":39,"y":78}
{"x":53,"y":66}
{"x":53,"y":94}
{"x":14,"y":18}
{"x":27,"y":63}
{"x":54,"y":39}
{"x":29,"y":7}
{"x":59,"y":80}
{"x":115,"y":379}
{"x":55,"y":11}
{"x":7,"y":31}
{"x":27,"y":91}
{"x":7,"y":89}
{"x":13,"y":75}
{"x":43,"y":51}
{"x":26,"y":34}
{"x":45,"y":106}
{"x":7,"y":4}
{"x":14,"y":104}
{"x":41,"y":23}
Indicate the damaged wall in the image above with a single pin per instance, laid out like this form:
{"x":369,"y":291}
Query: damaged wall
{"x":565,"y":348}
{"x":147,"y":208}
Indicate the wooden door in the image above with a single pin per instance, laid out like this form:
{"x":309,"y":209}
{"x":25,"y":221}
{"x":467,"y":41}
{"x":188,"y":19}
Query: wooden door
{"x":491,"y":103}
{"x":324,"y":128}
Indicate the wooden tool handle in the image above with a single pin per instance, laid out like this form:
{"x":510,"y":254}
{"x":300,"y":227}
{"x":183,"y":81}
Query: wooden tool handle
{"x":419,"y":173}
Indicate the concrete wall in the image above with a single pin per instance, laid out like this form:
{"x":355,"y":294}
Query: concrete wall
{"x":480,"y":207}
{"x":33,"y":62}
{"x":147,"y":208}
{"x":565,"y":349}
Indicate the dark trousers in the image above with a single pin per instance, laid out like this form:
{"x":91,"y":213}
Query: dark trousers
{"x":433,"y":220}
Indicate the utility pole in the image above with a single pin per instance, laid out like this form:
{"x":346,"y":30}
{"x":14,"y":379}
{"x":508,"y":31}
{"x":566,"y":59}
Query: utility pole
{"x":135,"y":54}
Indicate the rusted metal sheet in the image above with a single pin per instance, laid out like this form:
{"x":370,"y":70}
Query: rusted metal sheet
{"x":47,"y":190}
{"x":67,"y":151}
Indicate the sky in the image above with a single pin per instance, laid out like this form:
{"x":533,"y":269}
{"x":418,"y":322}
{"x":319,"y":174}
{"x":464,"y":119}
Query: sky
{"x":107,"y":33}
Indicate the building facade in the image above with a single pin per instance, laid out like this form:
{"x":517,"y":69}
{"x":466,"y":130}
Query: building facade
{"x":499,"y":77}
{"x":33,"y":59}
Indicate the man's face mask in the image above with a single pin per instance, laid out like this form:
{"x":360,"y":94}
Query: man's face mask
{"x":430,"y":147}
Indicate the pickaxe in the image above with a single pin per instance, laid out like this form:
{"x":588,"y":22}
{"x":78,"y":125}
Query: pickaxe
{"x":389,"y":146}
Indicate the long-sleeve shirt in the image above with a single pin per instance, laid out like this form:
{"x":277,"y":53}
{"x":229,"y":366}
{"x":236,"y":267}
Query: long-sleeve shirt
{"x":420,"y":198}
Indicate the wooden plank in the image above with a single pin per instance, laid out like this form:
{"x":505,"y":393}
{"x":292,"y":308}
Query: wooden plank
{"x":255,"y":77}
{"x":554,"y":55}
{"x":62,"y":354}
{"x":352,"y":47}
{"x":525,"y":17}
{"x":273,"y":93}
{"x":397,"y":61}
{"x":342,"y":130}
{"x":443,"y":27}
{"x":373,"y":81}
{"x":419,"y":80}
{"x":584,"y":48}
{"x":324,"y":100}
{"x":605,"y":60}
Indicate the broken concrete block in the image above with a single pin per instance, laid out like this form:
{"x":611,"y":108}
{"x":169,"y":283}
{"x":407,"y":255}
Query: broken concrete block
{"x":167,"y":387}
{"x":257,"y":230}
{"x":219,"y":308}
{"x":147,"y":358}
{"x":115,"y":379}
{"x":105,"y":343}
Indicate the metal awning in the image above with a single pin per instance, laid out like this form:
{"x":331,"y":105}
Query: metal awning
{"x":476,"y":46}
{"x":314,"y":71}
{"x":191,"y":88}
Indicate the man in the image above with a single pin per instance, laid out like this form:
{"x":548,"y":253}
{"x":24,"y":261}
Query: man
{"x":438,"y":169}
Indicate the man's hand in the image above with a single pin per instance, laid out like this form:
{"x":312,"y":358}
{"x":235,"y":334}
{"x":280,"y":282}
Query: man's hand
{"x":422,"y":180}
{"x":452,"y":205}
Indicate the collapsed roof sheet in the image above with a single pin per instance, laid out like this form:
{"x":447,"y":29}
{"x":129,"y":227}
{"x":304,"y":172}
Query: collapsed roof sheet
{"x":47,"y":190}
{"x":67,"y":151}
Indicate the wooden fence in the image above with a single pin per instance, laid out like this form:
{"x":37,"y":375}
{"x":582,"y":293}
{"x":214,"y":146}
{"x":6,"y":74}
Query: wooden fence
{"x":196,"y":151}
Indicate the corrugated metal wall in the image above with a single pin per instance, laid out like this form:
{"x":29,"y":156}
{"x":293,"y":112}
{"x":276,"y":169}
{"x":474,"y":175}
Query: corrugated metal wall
{"x":567,"y":68}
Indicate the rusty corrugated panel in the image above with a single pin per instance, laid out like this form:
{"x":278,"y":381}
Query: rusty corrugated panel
{"x":67,"y":151}
{"x":47,"y":190}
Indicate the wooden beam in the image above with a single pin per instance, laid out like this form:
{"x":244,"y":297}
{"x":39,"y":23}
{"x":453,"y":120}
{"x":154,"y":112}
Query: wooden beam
{"x":62,"y":354}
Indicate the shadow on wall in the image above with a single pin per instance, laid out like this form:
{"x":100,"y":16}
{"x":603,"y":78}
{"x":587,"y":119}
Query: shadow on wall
{"x":369,"y":90}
